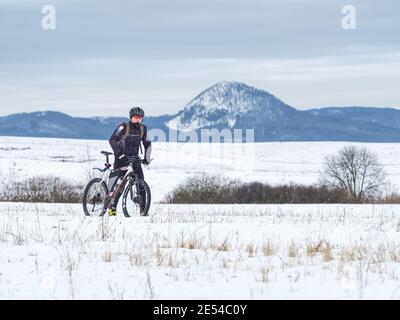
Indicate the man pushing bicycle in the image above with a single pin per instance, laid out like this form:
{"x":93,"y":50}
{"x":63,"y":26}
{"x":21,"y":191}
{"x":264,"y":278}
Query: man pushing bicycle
{"x":126,"y":141}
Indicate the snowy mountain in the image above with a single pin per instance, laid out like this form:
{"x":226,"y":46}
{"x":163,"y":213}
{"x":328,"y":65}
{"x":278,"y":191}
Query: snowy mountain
{"x":232,"y":105}
{"x":236,"y":105}
{"x":224,"y":104}
{"x":51,"y":124}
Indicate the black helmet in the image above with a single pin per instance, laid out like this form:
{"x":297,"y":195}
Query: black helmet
{"x":136,"y":111}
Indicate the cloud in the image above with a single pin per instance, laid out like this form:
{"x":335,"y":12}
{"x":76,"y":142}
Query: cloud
{"x":108,"y":87}
{"x":105,"y":56}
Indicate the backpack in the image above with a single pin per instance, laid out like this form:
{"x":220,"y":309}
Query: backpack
{"x":141,"y":128}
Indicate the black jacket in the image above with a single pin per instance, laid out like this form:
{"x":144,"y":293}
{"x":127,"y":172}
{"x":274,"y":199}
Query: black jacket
{"x":130,"y":145}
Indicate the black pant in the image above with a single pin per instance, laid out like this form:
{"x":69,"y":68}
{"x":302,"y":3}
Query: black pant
{"x":121,"y":163}
{"x":138,"y":170}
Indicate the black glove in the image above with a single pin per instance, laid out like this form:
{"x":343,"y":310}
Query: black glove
{"x":145,"y":162}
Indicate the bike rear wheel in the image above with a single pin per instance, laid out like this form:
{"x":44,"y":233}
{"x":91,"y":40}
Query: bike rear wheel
{"x":94,"y":198}
{"x":136,"y":198}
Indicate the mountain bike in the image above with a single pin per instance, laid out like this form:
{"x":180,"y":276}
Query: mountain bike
{"x":100,"y":192}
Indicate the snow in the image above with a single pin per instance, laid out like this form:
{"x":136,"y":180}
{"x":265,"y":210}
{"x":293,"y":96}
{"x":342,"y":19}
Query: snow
{"x":179,"y":125}
{"x":324,"y":251}
{"x":51,"y":251}
{"x":272,"y":162}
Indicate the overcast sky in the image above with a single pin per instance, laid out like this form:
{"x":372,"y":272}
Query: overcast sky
{"x":105,"y":56}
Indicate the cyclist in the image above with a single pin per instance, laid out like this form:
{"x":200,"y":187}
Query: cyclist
{"x":126,"y":141}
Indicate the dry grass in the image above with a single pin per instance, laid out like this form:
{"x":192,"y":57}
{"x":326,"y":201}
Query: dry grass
{"x":69,"y":258}
{"x":293,"y":250}
{"x":224,"y":263}
{"x":136,"y":258}
{"x":107,"y":256}
{"x":159,"y":256}
{"x":104,"y":232}
{"x":353,"y":253}
{"x":265,"y":271}
{"x":394,"y":254}
{"x":327,"y":253}
{"x":18,"y":240}
{"x":269,"y":249}
{"x":250,"y":250}
{"x":322,"y":247}
{"x":189,"y":242}
{"x":173,"y":261}
{"x":224,"y":245}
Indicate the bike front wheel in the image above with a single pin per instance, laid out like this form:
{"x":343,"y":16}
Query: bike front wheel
{"x":136,"y":199}
{"x":94,"y":198}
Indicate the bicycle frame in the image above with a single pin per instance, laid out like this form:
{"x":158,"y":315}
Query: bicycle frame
{"x":106,"y":176}
{"x":130,"y":171}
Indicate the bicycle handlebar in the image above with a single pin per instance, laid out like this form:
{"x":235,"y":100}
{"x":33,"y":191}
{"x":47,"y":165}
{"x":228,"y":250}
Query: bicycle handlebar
{"x":135,"y":159}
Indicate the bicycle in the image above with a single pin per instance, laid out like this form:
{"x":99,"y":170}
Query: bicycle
{"x":102,"y":191}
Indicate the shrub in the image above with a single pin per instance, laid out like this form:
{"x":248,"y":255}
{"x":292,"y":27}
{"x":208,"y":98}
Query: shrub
{"x":215,"y":189}
{"x":42,"y":189}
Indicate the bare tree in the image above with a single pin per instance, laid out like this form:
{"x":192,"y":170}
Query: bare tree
{"x":355,"y":170}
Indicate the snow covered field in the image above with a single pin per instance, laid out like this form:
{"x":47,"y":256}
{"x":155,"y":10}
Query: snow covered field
{"x":201,"y":251}
{"x":197,"y":251}
{"x":272,"y":162}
